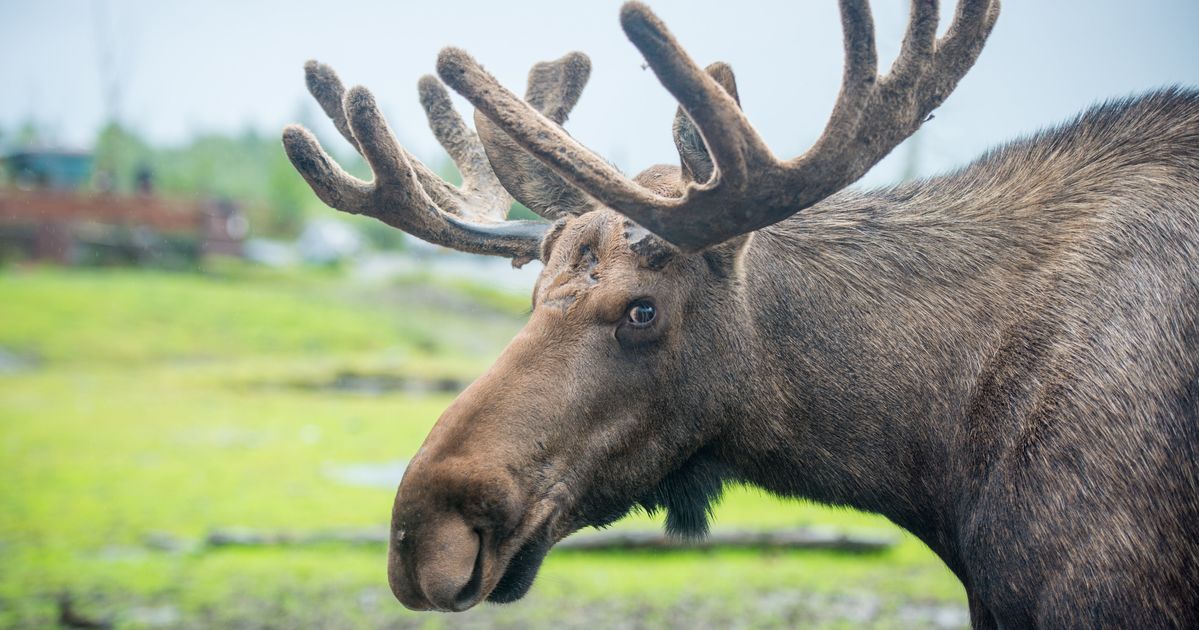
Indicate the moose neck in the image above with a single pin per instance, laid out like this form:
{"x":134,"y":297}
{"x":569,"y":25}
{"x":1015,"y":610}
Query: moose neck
{"x":875,"y":314}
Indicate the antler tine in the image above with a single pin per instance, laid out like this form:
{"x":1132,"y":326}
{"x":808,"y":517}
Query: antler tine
{"x":404,"y":193}
{"x":860,"y":74}
{"x":325,"y":86}
{"x":479,"y":183}
{"x":961,"y":45}
{"x":694,"y":158}
{"x":919,"y":42}
{"x":734,"y":145}
{"x":382,"y":153}
{"x":554,"y":87}
{"x":334,"y":186}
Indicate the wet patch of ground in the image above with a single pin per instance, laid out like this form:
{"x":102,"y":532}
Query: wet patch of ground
{"x":374,"y":384}
{"x":375,"y":607}
{"x":385,"y":475}
{"x":13,"y":362}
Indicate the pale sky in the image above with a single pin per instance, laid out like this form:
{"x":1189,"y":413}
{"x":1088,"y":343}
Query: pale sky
{"x":224,"y":65}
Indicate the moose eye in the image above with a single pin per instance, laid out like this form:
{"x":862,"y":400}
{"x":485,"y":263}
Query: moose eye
{"x":642,"y":313}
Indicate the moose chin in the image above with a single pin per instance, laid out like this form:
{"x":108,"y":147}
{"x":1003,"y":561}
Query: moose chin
{"x":1003,"y":360}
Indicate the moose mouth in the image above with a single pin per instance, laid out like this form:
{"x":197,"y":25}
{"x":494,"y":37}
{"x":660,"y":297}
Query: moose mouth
{"x":685,"y":494}
{"x":523,"y":564}
{"x":501,"y":567}
{"x":518,"y":573}
{"x":521,"y":570}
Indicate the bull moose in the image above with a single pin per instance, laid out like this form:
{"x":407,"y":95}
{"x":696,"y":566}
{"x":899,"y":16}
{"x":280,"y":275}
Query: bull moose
{"x":1003,"y":360}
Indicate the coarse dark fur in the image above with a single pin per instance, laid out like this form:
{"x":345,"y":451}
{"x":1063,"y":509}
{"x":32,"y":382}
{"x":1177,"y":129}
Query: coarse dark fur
{"x":1003,"y":360}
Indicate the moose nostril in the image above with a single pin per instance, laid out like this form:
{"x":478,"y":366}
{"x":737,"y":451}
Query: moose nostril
{"x":470,"y":593}
{"x":449,"y":565}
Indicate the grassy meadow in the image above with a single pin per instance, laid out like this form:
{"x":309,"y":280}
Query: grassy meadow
{"x":141,"y":410}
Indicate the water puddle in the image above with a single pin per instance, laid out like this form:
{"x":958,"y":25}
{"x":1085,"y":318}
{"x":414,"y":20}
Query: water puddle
{"x":368,"y":475}
{"x":15,"y":363}
{"x":376,"y":384}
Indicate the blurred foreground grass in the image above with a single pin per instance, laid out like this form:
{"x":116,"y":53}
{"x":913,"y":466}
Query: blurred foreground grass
{"x":139,"y":410}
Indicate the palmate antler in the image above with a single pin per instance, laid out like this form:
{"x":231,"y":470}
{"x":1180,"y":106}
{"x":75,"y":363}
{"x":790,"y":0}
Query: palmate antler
{"x":749,"y":188}
{"x":408,"y":195}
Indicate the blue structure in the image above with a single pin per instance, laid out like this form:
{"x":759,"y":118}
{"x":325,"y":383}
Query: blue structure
{"x":49,"y":169}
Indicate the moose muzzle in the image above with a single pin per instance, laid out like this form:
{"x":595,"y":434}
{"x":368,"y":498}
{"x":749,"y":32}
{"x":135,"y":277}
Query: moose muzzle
{"x":451,"y":519}
{"x":437,"y":565}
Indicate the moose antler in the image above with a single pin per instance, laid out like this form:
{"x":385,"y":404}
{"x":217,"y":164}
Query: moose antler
{"x":750,"y":188}
{"x":405,"y":193}
{"x":553,"y":89}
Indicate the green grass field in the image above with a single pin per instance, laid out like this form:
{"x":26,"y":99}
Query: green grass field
{"x":140,"y":407}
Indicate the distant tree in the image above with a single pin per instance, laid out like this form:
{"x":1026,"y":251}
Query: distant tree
{"x":4,"y":149}
{"x":118,"y":155}
{"x":518,"y":212}
{"x":30,"y":134}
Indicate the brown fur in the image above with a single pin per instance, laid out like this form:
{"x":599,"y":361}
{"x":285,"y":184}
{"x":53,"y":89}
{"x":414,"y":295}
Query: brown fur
{"x":1003,"y":360}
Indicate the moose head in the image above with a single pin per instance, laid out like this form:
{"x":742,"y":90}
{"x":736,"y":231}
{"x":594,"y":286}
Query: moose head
{"x":646,"y":348}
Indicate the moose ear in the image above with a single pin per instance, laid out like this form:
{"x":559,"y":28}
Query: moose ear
{"x":725,"y":259}
{"x":550,"y":239}
{"x":693,"y":155}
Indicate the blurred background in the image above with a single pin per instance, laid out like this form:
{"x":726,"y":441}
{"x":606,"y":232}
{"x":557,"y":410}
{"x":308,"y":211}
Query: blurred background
{"x":210,"y":382}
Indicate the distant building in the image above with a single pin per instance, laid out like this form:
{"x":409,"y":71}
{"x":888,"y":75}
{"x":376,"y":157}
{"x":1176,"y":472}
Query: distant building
{"x":48,"y":213}
{"x":49,"y":169}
